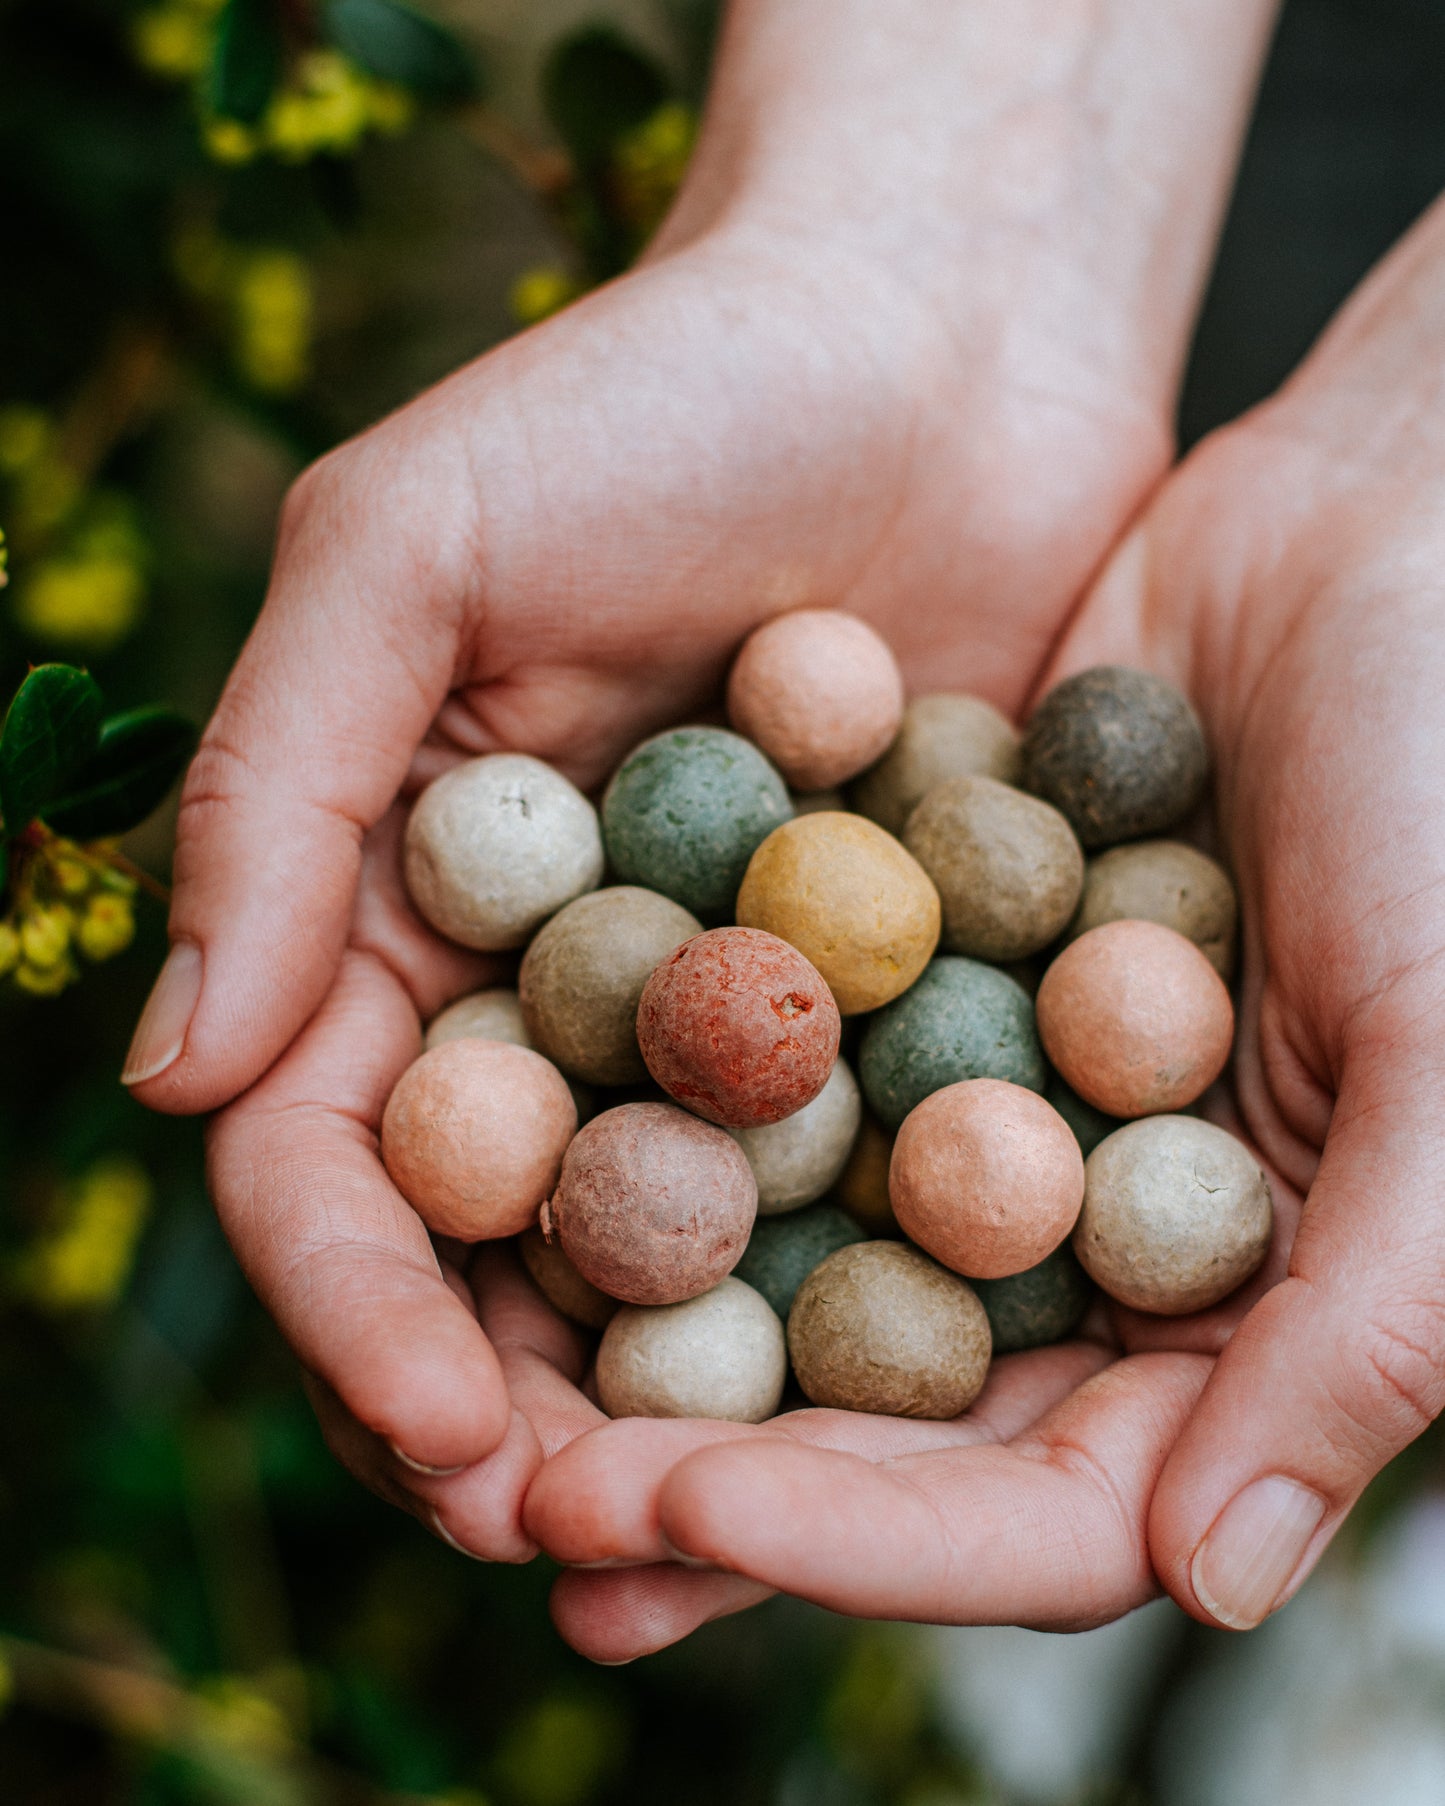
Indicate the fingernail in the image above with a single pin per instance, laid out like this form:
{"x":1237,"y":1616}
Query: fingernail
{"x":161,"y":1032}
{"x":434,"y":1519}
{"x":1254,"y":1549}
{"x":420,"y":1467}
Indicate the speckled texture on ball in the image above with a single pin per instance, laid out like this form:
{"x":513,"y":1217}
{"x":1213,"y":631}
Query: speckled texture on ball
{"x":1176,"y":1215}
{"x":881,"y":1327}
{"x":495,"y":846}
{"x":739,"y":1027}
{"x":820,"y":692}
{"x":473,"y":1136}
{"x":1041,"y":1305}
{"x":1120,"y":752}
{"x":942,"y":736}
{"x":783,"y":1251}
{"x":962,"y":1020}
{"x":653,"y":1205}
{"x":1168,"y":882}
{"x":863,"y":1187}
{"x":685,"y":812}
{"x":561,"y":1284}
{"x":986,"y":1177}
{"x":799,"y":1158}
{"x":721,"y":1355}
{"x":582,"y":977}
{"x":1090,"y":1126}
{"x":494,"y":1015}
{"x":851,"y":898}
{"x":1006,"y":866}
{"x":1135,"y":1018}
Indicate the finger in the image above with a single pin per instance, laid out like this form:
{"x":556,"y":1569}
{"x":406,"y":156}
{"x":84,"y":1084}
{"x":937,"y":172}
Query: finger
{"x":632,"y":1612}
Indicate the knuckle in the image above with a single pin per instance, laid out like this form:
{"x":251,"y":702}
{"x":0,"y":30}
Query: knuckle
{"x":1393,"y":1378}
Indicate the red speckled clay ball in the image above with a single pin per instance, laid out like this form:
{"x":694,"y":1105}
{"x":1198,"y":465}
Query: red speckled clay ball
{"x":653,"y":1206}
{"x":987,"y":1177}
{"x":738,"y":1026}
{"x":473,"y":1137}
{"x":1135,"y":1018}
{"x":820,"y":692}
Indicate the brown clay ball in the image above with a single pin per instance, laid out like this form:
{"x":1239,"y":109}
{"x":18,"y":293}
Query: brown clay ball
{"x":948,"y":735}
{"x":1168,"y":882}
{"x":561,"y":1284}
{"x":986,"y":1177}
{"x":653,"y":1206}
{"x":473,"y":1136}
{"x":863,"y":1187}
{"x":1135,"y":1019}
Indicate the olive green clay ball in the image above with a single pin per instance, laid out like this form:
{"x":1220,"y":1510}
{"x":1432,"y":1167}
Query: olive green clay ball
{"x":494,"y":1015}
{"x":583,"y":975}
{"x":1090,"y":1126}
{"x":561,"y":1284}
{"x":721,"y":1355}
{"x":1176,"y":1215}
{"x":1167,"y":882}
{"x":851,"y":899}
{"x":881,"y":1327}
{"x":801,"y":1157}
{"x":685,"y":812}
{"x":1040,"y":1305}
{"x":962,"y":1020}
{"x":1120,"y":752}
{"x":495,"y":846}
{"x":1007,"y":867}
{"x":783,"y":1251}
{"x":942,"y":736}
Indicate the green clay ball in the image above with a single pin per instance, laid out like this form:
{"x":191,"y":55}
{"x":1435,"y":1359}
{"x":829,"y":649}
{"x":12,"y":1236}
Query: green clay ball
{"x":1090,"y":1126}
{"x":686,"y":811}
{"x":1040,"y":1305}
{"x":961,"y":1020}
{"x":783,"y":1251}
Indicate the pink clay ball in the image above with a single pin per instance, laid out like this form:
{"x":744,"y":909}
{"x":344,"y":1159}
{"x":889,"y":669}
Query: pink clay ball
{"x":987,"y":1177}
{"x":1135,"y":1018}
{"x":739,"y":1027}
{"x":820,"y":692}
{"x":473,"y":1136}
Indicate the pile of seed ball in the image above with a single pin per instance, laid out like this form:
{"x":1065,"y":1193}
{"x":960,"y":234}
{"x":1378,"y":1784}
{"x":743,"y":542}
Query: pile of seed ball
{"x":1029,"y":983}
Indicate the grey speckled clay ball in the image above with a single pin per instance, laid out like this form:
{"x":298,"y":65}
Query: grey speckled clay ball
{"x":1120,"y":752}
{"x":721,"y":1355}
{"x":962,"y":1020}
{"x":801,"y":1157}
{"x":1040,"y":1305}
{"x":582,"y":977}
{"x":495,"y":846}
{"x":881,"y":1327}
{"x":484,"y":1016}
{"x":942,"y":736}
{"x":1168,"y":882}
{"x":1090,"y":1126}
{"x":1007,"y":867}
{"x":1176,"y":1215}
{"x":783,"y":1251}
{"x":686,"y":811}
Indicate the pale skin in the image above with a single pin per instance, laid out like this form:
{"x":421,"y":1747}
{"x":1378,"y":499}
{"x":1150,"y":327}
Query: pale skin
{"x":923,"y":371}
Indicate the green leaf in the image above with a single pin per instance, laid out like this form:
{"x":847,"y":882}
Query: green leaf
{"x":400,"y":45}
{"x":139,"y":756}
{"x":246,"y":61}
{"x":596,"y":87}
{"x":52,"y":728}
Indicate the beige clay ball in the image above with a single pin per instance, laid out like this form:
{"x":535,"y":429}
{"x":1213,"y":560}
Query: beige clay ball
{"x":1168,"y":882}
{"x":494,"y":1015}
{"x":721,"y":1355}
{"x":796,"y":1160}
{"x":949,"y":735}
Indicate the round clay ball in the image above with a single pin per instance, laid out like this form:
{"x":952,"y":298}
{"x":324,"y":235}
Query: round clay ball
{"x":653,"y":1205}
{"x":1043,"y":1304}
{"x":1176,"y":1215}
{"x":962,"y":1020}
{"x":881,"y":1327}
{"x":986,"y":1177}
{"x":561,"y":1284}
{"x":863,"y":1187}
{"x":1120,"y":752}
{"x":721,"y":1355}
{"x":495,"y":846}
{"x":739,"y":1027}
{"x":1168,"y":882}
{"x":686,"y":811}
{"x":851,"y":899}
{"x":801,"y":1157}
{"x":494,"y":1015}
{"x":942,"y":736}
{"x":783,"y":1251}
{"x":812,"y":802}
{"x":1135,"y":1018}
{"x":473,"y":1136}
{"x":1090,"y":1126}
{"x":1006,"y":866}
{"x":582,"y":977}
{"x":820,"y":692}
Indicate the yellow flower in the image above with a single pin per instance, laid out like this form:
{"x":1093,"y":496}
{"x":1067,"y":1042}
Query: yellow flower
{"x":25,"y":434}
{"x":650,"y":162}
{"x":328,"y":109}
{"x":538,"y":293}
{"x":86,"y":1261}
{"x":71,"y":874}
{"x":82,"y":601}
{"x":173,"y":41}
{"x":228,"y":141}
{"x":45,"y":981}
{"x":243,"y":1718}
{"x":45,"y":935}
{"x":106,"y":928}
{"x":273,"y":321}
